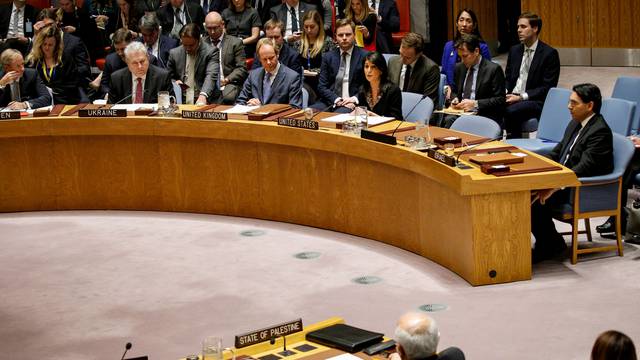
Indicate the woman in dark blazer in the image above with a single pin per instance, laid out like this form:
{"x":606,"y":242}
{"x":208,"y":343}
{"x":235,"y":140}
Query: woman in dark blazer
{"x":378,"y":94}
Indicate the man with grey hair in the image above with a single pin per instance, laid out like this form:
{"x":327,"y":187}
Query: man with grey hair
{"x":417,"y":338}
{"x":157,"y":44}
{"x":20,"y":88}
{"x":140,"y":81}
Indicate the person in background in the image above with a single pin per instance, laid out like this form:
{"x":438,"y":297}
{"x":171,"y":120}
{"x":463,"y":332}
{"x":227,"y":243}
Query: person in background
{"x":157,"y":44}
{"x":290,"y":14}
{"x":412,"y":71}
{"x":417,"y":337}
{"x":127,"y":18}
{"x":273,"y":30}
{"x":358,"y":11}
{"x":17,"y":26}
{"x":613,"y":345}
{"x":176,"y":14}
{"x":243,"y":21}
{"x":378,"y":94}
{"x":77,"y":21}
{"x":388,"y":18}
{"x":20,"y":88}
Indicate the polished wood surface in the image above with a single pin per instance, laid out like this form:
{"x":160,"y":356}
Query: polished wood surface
{"x":476,"y":225}
{"x":615,"y":24}
{"x":565,"y":23}
{"x":487,"y":13}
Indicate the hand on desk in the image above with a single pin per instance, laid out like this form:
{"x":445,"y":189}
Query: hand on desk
{"x":542,"y":195}
{"x":254,"y":102}
{"x":349,"y":102}
{"x":513,"y":98}
{"x":466,"y":105}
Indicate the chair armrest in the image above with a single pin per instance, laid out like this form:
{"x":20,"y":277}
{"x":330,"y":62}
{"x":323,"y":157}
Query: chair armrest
{"x":597,"y":180}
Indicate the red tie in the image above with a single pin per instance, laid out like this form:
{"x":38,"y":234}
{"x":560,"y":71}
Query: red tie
{"x":139,"y":99}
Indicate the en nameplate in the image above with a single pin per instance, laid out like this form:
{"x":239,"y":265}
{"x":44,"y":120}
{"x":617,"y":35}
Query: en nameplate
{"x":9,"y":115}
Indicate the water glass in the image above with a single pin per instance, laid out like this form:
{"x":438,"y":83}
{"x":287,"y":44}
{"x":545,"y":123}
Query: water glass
{"x":449,"y":148}
{"x":212,"y":348}
{"x":361,"y":117}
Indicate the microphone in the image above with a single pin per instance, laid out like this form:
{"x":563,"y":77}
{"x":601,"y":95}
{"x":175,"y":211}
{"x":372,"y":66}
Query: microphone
{"x":144,"y":91}
{"x":409,"y":113}
{"x":323,"y":110}
{"x":126,"y":348}
{"x":284,"y":351}
{"x":475,"y":146}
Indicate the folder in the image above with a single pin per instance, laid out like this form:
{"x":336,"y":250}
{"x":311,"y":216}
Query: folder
{"x":344,"y":337}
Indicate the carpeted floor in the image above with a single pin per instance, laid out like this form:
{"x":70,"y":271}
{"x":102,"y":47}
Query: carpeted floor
{"x":79,"y":285}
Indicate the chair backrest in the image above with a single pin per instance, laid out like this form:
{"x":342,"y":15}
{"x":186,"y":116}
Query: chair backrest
{"x":477,"y":125}
{"x":178,"y":92}
{"x":555,"y":115}
{"x":388,"y":57}
{"x":628,"y":88}
{"x":305,"y":98}
{"x":623,"y":150}
{"x":443,"y":81}
{"x":404,"y":10}
{"x":618,"y":113}
{"x":415,"y":108}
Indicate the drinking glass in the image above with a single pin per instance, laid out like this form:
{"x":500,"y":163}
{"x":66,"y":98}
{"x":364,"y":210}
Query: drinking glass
{"x":166,"y":103}
{"x":212,"y":348}
{"x":449,"y":148}
{"x":361,"y":117}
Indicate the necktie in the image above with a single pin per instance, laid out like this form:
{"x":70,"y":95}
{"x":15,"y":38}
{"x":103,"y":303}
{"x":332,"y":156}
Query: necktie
{"x":205,"y":6}
{"x":373,"y":4}
{"x":150,"y":50}
{"x":16,"y":19}
{"x":178,"y":17}
{"x":258,"y":6}
{"x":566,"y":152}
{"x":468,"y":83}
{"x":15,"y":91}
{"x":138,"y":99}
{"x":266,"y":87}
{"x":407,"y":76}
{"x":189,"y":79}
{"x":294,"y":20}
{"x":521,"y":83}
{"x":177,"y":24}
{"x":340,"y":76}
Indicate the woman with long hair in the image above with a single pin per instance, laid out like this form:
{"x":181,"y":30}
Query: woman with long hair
{"x":243,"y":21}
{"x":312,"y":44}
{"x":57,"y":70}
{"x":378,"y":93}
{"x":466,"y":23}
{"x":127,"y":18}
{"x":613,"y":345}
{"x":358,"y":11}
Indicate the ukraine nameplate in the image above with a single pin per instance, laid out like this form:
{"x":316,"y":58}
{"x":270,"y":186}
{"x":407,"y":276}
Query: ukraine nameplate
{"x":204,"y":115}
{"x":299,"y":123}
{"x":105,"y":113}
{"x":267,"y":334}
{"x":9,"y":115}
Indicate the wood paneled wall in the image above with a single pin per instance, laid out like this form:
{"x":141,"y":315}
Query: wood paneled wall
{"x":615,"y":23}
{"x":487,"y":12}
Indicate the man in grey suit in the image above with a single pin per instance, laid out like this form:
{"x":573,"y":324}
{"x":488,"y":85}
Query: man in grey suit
{"x":232,"y":67}
{"x":273,"y":83}
{"x":290,"y":13}
{"x":193,"y":66}
{"x":412,"y":71}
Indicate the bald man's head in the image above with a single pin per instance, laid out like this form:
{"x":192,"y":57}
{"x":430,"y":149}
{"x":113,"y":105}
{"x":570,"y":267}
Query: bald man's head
{"x":417,"y":336}
{"x":214,"y":25}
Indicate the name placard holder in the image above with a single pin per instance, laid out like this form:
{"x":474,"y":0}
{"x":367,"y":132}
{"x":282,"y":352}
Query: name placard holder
{"x":204,"y":115}
{"x":443,"y":158}
{"x":372,"y":135}
{"x":299,"y":123}
{"x":266,"y":334}
{"x":9,"y":115}
{"x":106,"y":113}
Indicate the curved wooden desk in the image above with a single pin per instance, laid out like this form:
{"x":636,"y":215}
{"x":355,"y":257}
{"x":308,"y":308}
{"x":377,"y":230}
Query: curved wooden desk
{"x":474,"y":224}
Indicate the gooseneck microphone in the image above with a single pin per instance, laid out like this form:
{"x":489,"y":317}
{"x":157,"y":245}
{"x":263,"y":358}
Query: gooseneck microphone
{"x":475,"y":146}
{"x":144,"y":91}
{"x":126,"y":348}
{"x":409,"y":113}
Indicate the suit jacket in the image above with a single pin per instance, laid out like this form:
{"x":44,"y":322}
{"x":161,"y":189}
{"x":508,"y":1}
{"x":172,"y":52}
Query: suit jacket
{"x":424,"y":79}
{"x":280,"y":12}
{"x":193,"y":14}
{"x":141,"y":7}
{"x":450,"y":59}
{"x":543,"y":72}
{"x":75,"y":48}
{"x":234,"y":66}
{"x":265,"y":12}
{"x":206,"y":69}
{"x":390,"y":103}
{"x":287,"y":56}
{"x":158,"y":79}
{"x":388,"y":10}
{"x":592,"y":153}
{"x":32,"y":89}
{"x":5,"y":14}
{"x":112,"y":63}
{"x":329,"y":71}
{"x":490,"y":92}
{"x":63,"y":82}
{"x":165,"y":44}
{"x":285,"y":89}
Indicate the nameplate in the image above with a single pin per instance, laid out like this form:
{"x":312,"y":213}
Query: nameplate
{"x":383,"y":138}
{"x":107,"y":113}
{"x":267,"y":334}
{"x":204,"y":115}
{"x":9,"y":115}
{"x":443,"y":158}
{"x":299,"y":123}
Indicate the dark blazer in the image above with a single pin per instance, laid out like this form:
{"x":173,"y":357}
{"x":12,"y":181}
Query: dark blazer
{"x":143,"y":6}
{"x":158,"y":79}
{"x":234,"y":65}
{"x":5,"y":14}
{"x":592,"y":153}
{"x":390,"y":103}
{"x":285,"y":89}
{"x":75,"y":48}
{"x":165,"y":44}
{"x":329,"y":71}
{"x":63,"y":81}
{"x":390,"y":23}
{"x":193,"y":14}
{"x":280,"y":12}
{"x":424,"y":79}
{"x":112,"y":63}
{"x":265,"y":12}
{"x":31,"y":89}
{"x":206,"y":69}
{"x":287,"y":56}
{"x":543,"y":72}
{"x":489,"y":88}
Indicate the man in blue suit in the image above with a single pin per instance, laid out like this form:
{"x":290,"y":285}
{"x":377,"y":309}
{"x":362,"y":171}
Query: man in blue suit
{"x":274,"y":83}
{"x":341,"y":72}
{"x":20,"y":88}
{"x":274,"y":30}
{"x":157,"y":44}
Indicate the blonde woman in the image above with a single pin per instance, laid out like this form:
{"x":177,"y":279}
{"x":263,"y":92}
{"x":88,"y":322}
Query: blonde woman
{"x":358,"y":11}
{"x":57,"y":71}
{"x":313,"y":43}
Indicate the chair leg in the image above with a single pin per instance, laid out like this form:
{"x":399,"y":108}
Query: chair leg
{"x":574,"y":240}
{"x":587,"y":228}
{"x":619,"y":235}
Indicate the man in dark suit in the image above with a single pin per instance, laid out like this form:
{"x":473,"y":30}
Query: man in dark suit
{"x":274,"y":83}
{"x":587,"y":149}
{"x":194,"y":66}
{"x":178,"y":13}
{"x":264,"y":8}
{"x":479,"y":82}
{"x":213,"y":5}
{"x":290,"y":13}
{"x":417,"y":338}
{"x":140,"y":82}
{"x":388,"y":22}
{"x":232,"y":68}
{"x":157,"y":44}
{"x":142,"y":7}
{"x":412,"y":71}
{"x":533,"y":67}
{"x":17,"y":25}
{"x":20,"y":88}
{"x":286,"y":54}
{"x":341,"y":72}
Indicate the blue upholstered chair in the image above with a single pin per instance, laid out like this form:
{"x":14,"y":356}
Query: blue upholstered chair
{"x":443,"y":81}
{"x":388,"y":57}
{"x":415,"y":108}
{"x":628,"y":88}
{"x":477,"y":125}
{"x":553,"y":121}
{"x":305,"y":98}
{"x":618,"y":114}
{"x":597,"y":196}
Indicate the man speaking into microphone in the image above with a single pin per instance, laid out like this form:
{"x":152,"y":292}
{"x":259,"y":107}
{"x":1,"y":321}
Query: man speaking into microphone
{"x":139,"y":82}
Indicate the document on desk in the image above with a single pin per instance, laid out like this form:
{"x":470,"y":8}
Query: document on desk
{"x":240,"y":109}
{"x":134,"y":107}
{"x":371,"y":121}
{"x":344,"y":357}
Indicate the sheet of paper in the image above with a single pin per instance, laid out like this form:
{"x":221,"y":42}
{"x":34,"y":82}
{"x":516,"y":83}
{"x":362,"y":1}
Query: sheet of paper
{"x":373,"y":120}
{"x":134,"y":107}
{"x":344,"y":357}
{"x":240,"y":109}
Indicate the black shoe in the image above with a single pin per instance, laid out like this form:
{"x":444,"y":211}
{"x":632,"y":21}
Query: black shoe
{"x":633,"y":239}
{"x":546,"y":253}
{"x":608,"y":227}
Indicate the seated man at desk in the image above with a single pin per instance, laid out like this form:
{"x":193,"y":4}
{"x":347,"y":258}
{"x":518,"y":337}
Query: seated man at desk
{"x":417,"y":338}
{"x":139,"y":82}
{"x":273,"y":83}
{"x":587,"y":149}
{"x":20,"y":88}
